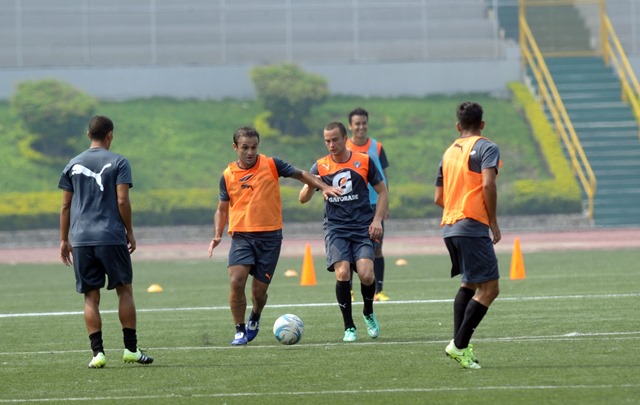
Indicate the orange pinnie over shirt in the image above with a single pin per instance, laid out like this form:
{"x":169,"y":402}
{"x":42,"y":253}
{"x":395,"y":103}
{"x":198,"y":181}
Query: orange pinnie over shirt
{"x":254,"y":197}
{"x":462,"y":188}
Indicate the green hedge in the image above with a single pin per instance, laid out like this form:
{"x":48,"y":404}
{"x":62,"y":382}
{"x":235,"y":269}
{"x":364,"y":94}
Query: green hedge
{"x":557,"y":196}
{"x":412,"y":200}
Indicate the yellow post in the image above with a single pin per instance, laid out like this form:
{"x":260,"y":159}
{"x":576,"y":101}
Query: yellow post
{"x":604,"y":36}
{"x":521,"y":18}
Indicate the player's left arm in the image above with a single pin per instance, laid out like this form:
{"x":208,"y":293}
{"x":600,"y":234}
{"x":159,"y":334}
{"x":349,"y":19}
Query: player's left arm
{"x":490,"y":164}
{"x":490,"y":193}
{"x":382,"y":209}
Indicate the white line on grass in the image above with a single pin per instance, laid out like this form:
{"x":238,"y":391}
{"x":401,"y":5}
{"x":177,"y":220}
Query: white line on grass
{"x":566,"y":337}
{"x":325,"y":304}
{"x":333,"y":392}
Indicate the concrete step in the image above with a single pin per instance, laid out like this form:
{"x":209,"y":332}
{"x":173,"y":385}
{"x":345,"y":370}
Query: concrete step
{"x":604,"y":142}
{"x":600,"y":125}
{"x":603,"y":115}
{"x":610,"y":133}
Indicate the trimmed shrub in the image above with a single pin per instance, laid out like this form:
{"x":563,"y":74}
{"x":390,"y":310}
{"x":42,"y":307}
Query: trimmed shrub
{"x":561,"y":195}
{"x":55,"y":112}
{"x":288,"y":93}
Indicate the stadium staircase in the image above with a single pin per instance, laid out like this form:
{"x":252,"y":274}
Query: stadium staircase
{"x":608,"y":132}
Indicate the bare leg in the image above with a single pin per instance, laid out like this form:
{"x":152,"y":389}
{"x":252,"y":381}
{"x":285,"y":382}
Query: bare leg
{"x":238,"y":276}
{"x":259,"y":295}
{"x":126,"y":306}
{"x":92,"y":318}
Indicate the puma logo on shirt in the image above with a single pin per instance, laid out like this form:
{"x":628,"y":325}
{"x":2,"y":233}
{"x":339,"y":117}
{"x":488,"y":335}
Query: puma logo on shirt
{"x":79,"y":169}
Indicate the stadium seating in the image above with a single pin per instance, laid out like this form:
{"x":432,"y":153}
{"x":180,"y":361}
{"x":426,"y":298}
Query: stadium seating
{"x":40,"y":33}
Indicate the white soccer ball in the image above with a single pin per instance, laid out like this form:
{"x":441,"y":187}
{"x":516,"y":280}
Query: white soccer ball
{"x":288,"y":329}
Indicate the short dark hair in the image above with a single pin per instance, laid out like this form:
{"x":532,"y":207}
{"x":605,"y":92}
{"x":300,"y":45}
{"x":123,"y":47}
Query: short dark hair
{"x":358,"y":111}
{"x":469,"y":115}
{"x":99,"y":127}
{"x":333,"y":125}
{"x":248,"y":132}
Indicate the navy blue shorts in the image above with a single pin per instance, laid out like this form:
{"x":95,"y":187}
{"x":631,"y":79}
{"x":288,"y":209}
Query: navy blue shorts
{"x":93,"y":264}
{"x":473,"y":258}
{"x":348,"y":247}
{"x":260,"y":253}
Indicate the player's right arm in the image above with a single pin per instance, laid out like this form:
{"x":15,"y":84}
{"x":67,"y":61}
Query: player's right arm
{"x":221,"y":215}
{"x":65,"y":224}
{"x":307,"y":192}
{"x":219,"y":222}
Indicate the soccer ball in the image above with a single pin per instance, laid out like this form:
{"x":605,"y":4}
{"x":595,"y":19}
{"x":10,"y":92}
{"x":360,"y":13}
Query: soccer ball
{"x":288,"y":329}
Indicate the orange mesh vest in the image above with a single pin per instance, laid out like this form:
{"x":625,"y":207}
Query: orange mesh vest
{"x":462,"y":188}
{"x":254,"y":197}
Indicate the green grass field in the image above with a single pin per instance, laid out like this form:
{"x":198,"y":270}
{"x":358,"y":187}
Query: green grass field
{"x":567,"y":334}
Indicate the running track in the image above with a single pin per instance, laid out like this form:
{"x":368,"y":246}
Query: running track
{"x":591,"y":239}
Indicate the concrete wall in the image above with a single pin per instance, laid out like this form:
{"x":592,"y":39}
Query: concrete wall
{"x":218,"y":82}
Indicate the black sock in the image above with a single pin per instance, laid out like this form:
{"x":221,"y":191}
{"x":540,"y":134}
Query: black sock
{"x":351,"y":280}
{"x":96,"y":342}
{"x":472,"y":317}
{"x":130,"y":339}
{"x":254,"y":317}
{"x":368,"y":291}
{"x":460,"y":306}
{"x":378,"y":271}
{"x":343,"y":294}
{"x":241,"y":327}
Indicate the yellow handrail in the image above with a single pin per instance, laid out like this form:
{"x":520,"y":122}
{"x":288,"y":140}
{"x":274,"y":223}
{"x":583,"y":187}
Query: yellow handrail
{"x":549,"y":96}
{"x":615,"y":55}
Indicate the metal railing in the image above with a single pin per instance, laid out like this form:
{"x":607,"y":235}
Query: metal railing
{"x":549,"y":97}
{"x":614,"y":54}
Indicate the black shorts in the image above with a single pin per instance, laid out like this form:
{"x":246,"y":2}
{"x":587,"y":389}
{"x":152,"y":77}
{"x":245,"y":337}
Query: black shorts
{"x":260,"y":253}
{"x":93,"y":264}
{"x":474,"y":258}
{"x":348,"y":247}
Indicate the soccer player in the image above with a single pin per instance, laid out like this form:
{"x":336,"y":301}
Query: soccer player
{"x":360,"y":142}
{"x":350,"y":224}
{"x":97,"y":211}
{"x":250,"y":202}
{"x":466,"y":189}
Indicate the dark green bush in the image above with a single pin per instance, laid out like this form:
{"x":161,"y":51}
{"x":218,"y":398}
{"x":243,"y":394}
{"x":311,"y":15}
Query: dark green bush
{"x":288,"y":93}
{"x":55,"y":112}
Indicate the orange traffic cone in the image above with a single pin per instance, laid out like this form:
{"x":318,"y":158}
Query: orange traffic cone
{"x":517,"y":263}
{"x":308,"y":272}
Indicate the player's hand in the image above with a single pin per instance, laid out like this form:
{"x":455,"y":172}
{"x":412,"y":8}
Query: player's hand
{"x":65,"y":253}
{"x":131,"y":242}
{"x":376,"y":231}
{"x":329,"y":191}
{"x":214,"y":242}
{"x":495,"y":230}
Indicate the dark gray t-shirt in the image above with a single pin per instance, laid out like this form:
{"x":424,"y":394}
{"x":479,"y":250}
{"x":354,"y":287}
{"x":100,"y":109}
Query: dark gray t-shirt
{"x":92,"y":177}
{"x":484,"y":155}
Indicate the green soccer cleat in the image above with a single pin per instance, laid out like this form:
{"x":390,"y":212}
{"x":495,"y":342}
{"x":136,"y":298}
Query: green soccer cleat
{"x":373,"y":327}
{"x":461,"y":356}
{"x":98,"y":361}
{"x":350,"y":335}
{"x":136,"y":357}
{"x":471,"y":354}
